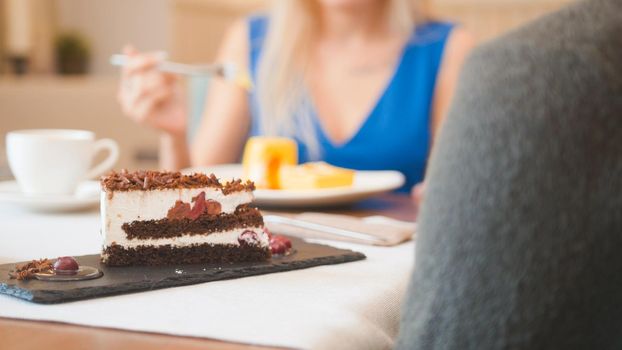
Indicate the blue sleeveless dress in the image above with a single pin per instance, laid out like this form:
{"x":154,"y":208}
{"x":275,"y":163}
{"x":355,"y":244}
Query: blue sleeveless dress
{"x":396,"y":134}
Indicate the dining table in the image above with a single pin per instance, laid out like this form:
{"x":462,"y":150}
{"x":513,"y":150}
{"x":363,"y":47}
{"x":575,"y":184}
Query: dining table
{"x":354,"y":305}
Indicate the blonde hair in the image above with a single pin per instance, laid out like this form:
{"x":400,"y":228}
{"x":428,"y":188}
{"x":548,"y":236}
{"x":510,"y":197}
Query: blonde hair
{"x":284,"y":104}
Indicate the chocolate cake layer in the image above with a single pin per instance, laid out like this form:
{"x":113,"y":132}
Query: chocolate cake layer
{"x":115,"y":255}
{"x":145,"y":180}
{"x":166,"y":228}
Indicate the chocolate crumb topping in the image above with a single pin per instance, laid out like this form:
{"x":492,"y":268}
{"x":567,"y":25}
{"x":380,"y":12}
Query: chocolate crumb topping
{"x":144,"y":180}
{"x":238,"y":186}
{"x":28,"y":270}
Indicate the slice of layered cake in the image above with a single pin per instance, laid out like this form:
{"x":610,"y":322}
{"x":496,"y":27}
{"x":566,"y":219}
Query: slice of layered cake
{"x":166,"y":218}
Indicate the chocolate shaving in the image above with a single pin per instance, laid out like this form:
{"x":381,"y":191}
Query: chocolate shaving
{"x":144,"y":180}
{"x":238,"y":186}
{"x":28,"y":270}
{"x":146,"y":183}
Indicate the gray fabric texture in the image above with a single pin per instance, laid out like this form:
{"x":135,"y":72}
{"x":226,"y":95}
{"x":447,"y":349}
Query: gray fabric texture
{"x":520,"y":233}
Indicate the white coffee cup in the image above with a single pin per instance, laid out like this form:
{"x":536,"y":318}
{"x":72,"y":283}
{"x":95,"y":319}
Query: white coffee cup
{"x":55,"y":161}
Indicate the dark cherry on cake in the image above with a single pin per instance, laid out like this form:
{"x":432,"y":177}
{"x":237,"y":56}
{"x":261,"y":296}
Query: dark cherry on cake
{"x":249,"y":237}
{"x":66,"y":265}
{"x":200,"y":206}
{"x":279,"y":245}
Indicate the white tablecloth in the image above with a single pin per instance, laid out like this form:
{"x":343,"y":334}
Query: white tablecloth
{"x":348,"y":306}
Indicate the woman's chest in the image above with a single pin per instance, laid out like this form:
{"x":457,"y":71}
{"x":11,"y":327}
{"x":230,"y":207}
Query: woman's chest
{"x":344,"y":101}
{"x":390,"y":139}
{"x":346,"y":88}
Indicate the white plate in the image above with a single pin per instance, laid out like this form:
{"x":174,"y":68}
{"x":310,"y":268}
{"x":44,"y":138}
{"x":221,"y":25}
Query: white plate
{"x":366,"y":184}
{"x":86,"y":196}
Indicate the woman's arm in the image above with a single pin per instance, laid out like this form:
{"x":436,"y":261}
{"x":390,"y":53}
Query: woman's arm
{"x":174,"y":153}
{"x":457,"y":48}
{"x":226,"y":119}
{"x":155,"y":99}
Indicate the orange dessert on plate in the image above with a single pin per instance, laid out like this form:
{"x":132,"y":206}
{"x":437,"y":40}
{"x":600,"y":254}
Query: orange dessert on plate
{"x":264,"y":157}
{"x":271,"y":163}
{"x":315,"y":175}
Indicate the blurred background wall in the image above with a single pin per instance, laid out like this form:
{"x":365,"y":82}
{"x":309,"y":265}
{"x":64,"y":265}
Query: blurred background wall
{"x":189,"y":29}
{"x":112,"y":23}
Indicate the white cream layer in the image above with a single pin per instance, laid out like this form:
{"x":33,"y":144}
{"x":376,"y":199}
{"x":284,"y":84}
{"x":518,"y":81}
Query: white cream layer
{"x":225,"y":237}
{"x":128,"y":206}
{"x":153,"y":205}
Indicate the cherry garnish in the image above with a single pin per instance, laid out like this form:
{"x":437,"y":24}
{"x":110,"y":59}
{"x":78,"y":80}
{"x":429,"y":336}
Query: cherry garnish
{"x":201,"y":206}
{"x":284,"y":240}
{"x":280,"y":244}
{"x":179,"y":211}
{"x":248,"y":237}
{"x":278,"y":247}
{"x":66,"y":265}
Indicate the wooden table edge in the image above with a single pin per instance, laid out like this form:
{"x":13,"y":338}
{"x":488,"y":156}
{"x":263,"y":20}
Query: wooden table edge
{"x":37,"y":334}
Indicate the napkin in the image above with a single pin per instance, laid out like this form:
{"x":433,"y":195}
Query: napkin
{"x":390,"y":231}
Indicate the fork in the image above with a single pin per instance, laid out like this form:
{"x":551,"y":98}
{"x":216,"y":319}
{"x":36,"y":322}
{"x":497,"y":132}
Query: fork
{"x":226,"y":70}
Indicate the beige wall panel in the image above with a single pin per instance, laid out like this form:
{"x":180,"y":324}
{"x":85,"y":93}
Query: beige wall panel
{"x":486,"y":19}
{"x":199,"y":25}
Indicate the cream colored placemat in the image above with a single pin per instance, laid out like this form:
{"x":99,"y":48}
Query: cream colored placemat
{"x":389,"y":231}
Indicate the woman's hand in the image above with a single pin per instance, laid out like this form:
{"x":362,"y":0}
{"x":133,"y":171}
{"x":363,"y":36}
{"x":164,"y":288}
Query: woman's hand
{"x":151,"y":97}
{"x":417,"y":194}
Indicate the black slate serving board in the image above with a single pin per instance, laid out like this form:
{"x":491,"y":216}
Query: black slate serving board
{"x":123,"y":280}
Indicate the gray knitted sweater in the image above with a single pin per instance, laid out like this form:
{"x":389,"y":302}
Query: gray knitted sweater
{"x":520,"y":235}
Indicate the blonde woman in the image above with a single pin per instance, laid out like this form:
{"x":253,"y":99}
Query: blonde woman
{"x":362,"y":84}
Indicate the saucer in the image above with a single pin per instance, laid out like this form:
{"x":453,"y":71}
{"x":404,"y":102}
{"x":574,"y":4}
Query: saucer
{"x":86,"y":196}
{"x":83,"y":273}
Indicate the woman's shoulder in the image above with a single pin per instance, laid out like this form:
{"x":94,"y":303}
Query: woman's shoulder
{"x":435,"y":24}
{"x":257,"y":29}
{"x":432,"y":31}
{"x":257,"y":19}
{"x":257,"y":25}
{"x":246,"y":35}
